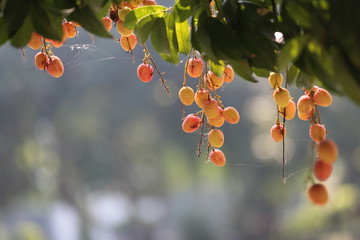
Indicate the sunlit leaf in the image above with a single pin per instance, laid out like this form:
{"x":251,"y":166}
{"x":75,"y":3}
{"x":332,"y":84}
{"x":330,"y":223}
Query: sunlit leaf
{"x":182,"y":31}
{"x":137,"y":14}
{"x":291,"y":51}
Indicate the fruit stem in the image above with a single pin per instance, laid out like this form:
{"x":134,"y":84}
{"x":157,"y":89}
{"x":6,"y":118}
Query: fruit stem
{"x":163,"y":81}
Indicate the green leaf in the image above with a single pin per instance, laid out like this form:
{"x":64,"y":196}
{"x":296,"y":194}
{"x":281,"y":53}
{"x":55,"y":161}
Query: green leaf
{"x":137,"y":14}
{"x":217,"y":68}
{"x":182,"y":32}
{"x":260,"y":72}
{"x":159,"y":38}
{"x":298,"y":12}
{"x":144,"y":27}
{"x":45,"y":24}
{"x":291,"y":51}
{"x":173,"y":55}
{"x":88,"y":20}
{"x":243,"y":69}
{"x":181,"y":13}
{"x":14,"y":15}
{"x":3,"y":32}
{"x":305,"y":80}
{"x":23,"y":35}
{"x":292,"y":74}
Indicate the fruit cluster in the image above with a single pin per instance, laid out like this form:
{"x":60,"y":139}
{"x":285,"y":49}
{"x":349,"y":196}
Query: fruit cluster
{"x":210,"y":104}
{"x":326,"y":149}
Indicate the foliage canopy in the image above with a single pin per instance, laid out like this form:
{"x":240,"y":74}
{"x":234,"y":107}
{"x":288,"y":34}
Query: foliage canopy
{"x":320,"y":37}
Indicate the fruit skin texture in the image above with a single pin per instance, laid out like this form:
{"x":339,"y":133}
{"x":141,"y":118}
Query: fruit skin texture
{"x":213,"y":81}
{"x":211,"y":109}
{"x":195,"y":67}
{"x":216,"y":138}
{"x":191,"y":123}
{"x":36,"y":41}
{"x":128,"y":43}
{"x":231,"y":115}
{"x":275,"y":79}
{"x":107,"y":22}
{"x":55,"y":67}
{"x":317,"y":132}
{"x":282,"y":97}
{"x":228,"y":75}
{"x":217,"y":157}
{"x":217,"y":121}
{"x":278,"y":132}
{"x":327,"y":151}
{"x":305,"y":106}
{"x":71,"y":30}
{"x":322,"y":170}
{"x":290,"y":111}
{"x":322,"y":97}
{"x":41,"y":60}
{"x":318,"y":194}
{"x":186,"y":95}
{"x":123,"y":30}
{"x":201,"y":97}
{"x":145,"y":72}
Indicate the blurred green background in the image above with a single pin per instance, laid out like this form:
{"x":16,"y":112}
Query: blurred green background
{"x":97,"y":154}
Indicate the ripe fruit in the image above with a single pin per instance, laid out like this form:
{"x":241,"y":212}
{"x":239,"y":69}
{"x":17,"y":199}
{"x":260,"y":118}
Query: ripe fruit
{"x":322,"y":170}
{"x":327,"y":151}
{"x":211,"y":109}
{"x":318,"y":194}
{"x":216,"y":138}
{"x":123,"y":30}
{"x":149,"y":2}
{"x":107,"y":22}
{"x":186,"y":95}
{"x":317,"y":132}
{"x":213,"y":81}
{"x":228,"y":75}
{"x":135,"y":3}
{"x":128,"y":43}
{"x":201,"y":97}
{"x":278,"y":132}
{"x":282,"y":97}
{"x":322,"y":97}
{"x":289,"y":111}
{"x":231,"y":115}
{"x":195,"y":67}
{"x":275,"y":79}
{"x":71,"y":30}
{"x":145,"y":72}
{"x":123,"y":12}
{"x":191,"y":123}
{"x":41,"y":60}
{"x":305,"y":106}
{"x":305,"y":116}
{"x":55,"y":67}
{"x":56,"y":44}
{"x":216,"y":121}
{"x":36,"y":41}
{"x":217,"y":157}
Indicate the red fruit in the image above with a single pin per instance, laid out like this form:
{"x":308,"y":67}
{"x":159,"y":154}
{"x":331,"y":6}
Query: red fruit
{"x":71,"y":30}
{"x":327,"y":151}
{"x":322,"y":170}
{"x":228,"y":75}
{"x":305,"y":105}
{"x":128,"y":43}
{"x":278,"y":132}
{"x":201,"y":97}
{"x":41,"y":60}
{"x":191,"y":123}
{"x":289,"y":111}
{"x":211,"y":109}
{"x":217,"y":157}
{"x":317,"y":132}
{"x":107,"y":22}
{"x":195,"y":67}
{"x":213,"y":81}
{"x":149,"y":2}
{"x":318,"y":194}
{"x":36,"y":41}
{"x":231,"y":115}
{"x":145,"y":72}
{"x":322,"y":97}
{"x":55,"y":67}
